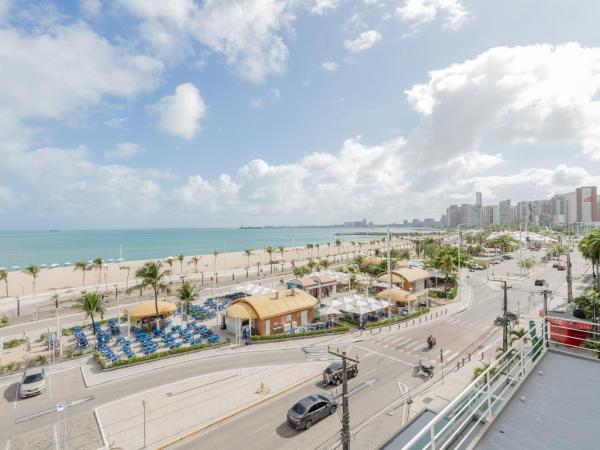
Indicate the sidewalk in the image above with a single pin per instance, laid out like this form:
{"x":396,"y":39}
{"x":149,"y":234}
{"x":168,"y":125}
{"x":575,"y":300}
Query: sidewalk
{"x":162,"y":416}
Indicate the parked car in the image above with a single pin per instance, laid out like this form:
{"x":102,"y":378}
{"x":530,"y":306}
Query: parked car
{"x":561,"y":267}
{"x":333,"y":373}
{"x":33,"y":382}
{"x":310,"y":410}
{"x":476,"y":267}
{"x":507,"y":257}
{"x":494,"y":261}
{"x":555,"y":265}
{"x":540,"y":282}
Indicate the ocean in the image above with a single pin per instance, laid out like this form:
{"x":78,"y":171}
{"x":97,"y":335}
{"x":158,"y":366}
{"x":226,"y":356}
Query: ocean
{"x":20,"y":248}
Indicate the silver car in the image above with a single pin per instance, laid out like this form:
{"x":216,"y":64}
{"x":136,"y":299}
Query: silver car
{"x":33,"y":383}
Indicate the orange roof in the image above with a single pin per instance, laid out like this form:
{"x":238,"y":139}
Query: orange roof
{"x":275,"y":304}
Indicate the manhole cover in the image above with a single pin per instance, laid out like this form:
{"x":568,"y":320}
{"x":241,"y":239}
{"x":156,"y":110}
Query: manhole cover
{"x":427,"y":400}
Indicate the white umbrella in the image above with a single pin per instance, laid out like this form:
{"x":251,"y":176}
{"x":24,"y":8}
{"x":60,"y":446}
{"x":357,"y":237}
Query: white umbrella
{"x":376,"y":304}
{"x":111,"y":260}
{"x":349,"y":308}
{"x":331,"y":311}
{"x":119,"y":260}
{"x":52,"y":266}
{"x":362,"y":310}
{"x":15,"y":267}
{"x":43,"y":265}
{"x":333,"y":303}
{"x":67,"y":264}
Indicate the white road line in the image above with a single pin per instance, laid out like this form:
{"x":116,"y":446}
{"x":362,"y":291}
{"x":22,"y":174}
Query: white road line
{"x":451,"y":356}
{"x":452,"y":320}
{"x":16,"y":395}
{"x":258,"y":430}
{"x":55,"y":438}
{"x":385,"y":356}
{"x":8,"y":445}
{"x":400,"y":341}
{"x":487,"y":327}
{"x":414,"y":345}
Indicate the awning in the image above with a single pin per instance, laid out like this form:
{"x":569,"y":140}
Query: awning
{"x":148,"y":309}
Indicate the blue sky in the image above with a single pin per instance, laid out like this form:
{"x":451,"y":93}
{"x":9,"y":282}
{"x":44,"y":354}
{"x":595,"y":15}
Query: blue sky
{"x":188,"y":113}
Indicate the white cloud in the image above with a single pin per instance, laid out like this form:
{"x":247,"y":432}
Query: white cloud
{"x":539,"y":94}
{"x":364,"y":41}
{"x":452,"y":12}
{"x":180,"y":114}
{"x":124,"y":150}
{"x":329,"y":66}
{"x":247,"y":33}
{"x":58,"y":75}
{"x":91,"y":7}
{"x":321,"y":7}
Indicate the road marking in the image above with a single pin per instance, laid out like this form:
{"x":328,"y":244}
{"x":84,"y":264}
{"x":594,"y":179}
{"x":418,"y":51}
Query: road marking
{"x":400,"y":340}
{"x":55,"y":438}
{"x":451,"y":356}
{"x":259,"y":429}
{"x":385,"y":356}
{"x":413,"y":345}
{"x":16,"y":395}
{"x":53,"y":409}
{"x":8,"y":445}
{"x":452,"y":320}
{"x":402,"y":387}
{"x":370,"y":382}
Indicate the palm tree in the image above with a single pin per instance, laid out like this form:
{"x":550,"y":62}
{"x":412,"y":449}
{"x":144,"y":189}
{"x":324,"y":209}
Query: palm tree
{"x":404,"y":255}
{"x":151,"y":275}
{"x":81,"y":265}
{"x":248,"y":253}
{"x":170,"y":262}
{"x":195,"y":260}
{"x":186,"y":295}
{"x":309,"y":248}
{"x":590,"y":249}
{"x":92,"y":304}
{"x":4,"y":277}
{"x":97,"y":263}
{"x":34,"y":271}
{"x":318,"y":246}
{"x":269,"y":250}
{"x":55,"y":298}
{"x":180,"y":258}
{"x":215,"y":254}
{"x":128,"y":269}
{"x":281,"y":250}
{"x":338,"y":244}
{"x":324,"y":263}
{"x":517,"y":334}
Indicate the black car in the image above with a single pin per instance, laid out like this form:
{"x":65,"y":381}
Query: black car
{"x":310,"y":410}
{"x":540,"y":282}
{"x":333,"y":374}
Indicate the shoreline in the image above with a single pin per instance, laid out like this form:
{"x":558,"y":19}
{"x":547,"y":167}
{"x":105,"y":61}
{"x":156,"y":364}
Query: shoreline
{"x":49,"y":280}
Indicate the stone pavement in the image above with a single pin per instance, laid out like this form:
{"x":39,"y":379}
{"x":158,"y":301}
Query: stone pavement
{"x":161,"y":416}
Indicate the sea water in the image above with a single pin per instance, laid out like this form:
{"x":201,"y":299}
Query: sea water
{"x":20,"y":248}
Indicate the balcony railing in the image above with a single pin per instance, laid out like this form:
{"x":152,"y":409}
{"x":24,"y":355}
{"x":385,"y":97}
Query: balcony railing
{"x":459,"y":423}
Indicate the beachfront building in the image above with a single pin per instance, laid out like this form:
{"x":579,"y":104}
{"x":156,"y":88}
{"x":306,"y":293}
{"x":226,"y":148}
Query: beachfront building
{"x":145,"y":312}
{"x":411,"y":279}
{"x":318,"y":285}
{"x":272,"y":313}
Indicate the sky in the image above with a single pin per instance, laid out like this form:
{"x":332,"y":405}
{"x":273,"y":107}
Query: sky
{"x":190,"y":113}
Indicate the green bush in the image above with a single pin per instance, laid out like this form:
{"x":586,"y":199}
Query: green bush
{"x":14,"y":343}
{"x":443,"y":294}
{"x":10,"y":367}
{"x":397,"y":319}
{"x":281,"y":336}
{"x":136,"y":359}
{"x":4,"y":321}
{"x":349,"y":320}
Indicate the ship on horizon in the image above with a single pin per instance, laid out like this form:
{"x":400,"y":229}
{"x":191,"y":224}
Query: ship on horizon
{"x":242,"y":227}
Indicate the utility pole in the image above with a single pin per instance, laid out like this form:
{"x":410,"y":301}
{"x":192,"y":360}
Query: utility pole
{"x":505,"y":288}
{"x":569,"y":279}
{"x":345,"y":411}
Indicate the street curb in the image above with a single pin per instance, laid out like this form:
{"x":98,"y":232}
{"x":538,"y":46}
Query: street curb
{"x":221,"y":419}
{"x":102,"y":435}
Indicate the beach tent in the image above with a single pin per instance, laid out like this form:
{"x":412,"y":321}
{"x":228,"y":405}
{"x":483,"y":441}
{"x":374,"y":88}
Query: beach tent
{"x":147,"y":309}
{"x":398,"y":295}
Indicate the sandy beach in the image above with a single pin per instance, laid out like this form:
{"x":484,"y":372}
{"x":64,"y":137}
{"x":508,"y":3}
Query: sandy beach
{"x":20,"y":283}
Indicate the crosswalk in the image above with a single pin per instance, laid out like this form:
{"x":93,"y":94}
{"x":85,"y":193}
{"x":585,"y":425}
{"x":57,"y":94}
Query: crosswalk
{"x":318,"y":354}
{"x":412,"y":347}
{"x":467,"y":323}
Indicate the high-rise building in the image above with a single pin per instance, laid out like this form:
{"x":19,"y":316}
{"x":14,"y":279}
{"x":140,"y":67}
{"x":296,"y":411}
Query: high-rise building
{"x":490,"y":215}
{"x":587,"y":204}
{"x":571,"y":207}
{"x":478,"y":199}
{"x":453,"y":216}
{"x":504,"y":212}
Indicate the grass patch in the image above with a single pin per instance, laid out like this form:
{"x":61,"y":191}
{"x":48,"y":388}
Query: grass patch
{"x":443,"y":294}
{"x":397,"y":319}
{"x":282,"y":336}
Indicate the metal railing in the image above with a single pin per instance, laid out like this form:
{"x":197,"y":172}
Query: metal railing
{"x":458,"y":424}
